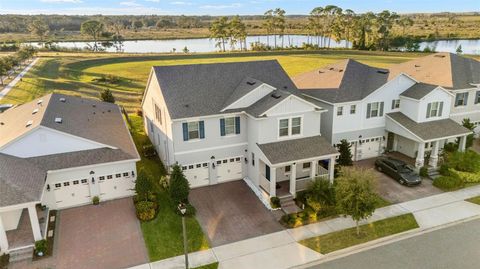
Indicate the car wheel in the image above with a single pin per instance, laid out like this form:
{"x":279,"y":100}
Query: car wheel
{"x":379,"y":168}
{"x":402,"y":181}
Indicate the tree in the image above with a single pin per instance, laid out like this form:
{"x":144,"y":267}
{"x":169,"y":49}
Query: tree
{"x":279,"y":24}
{"x":107,"y":96}
{"x":459,"y":49}
{"x":320,"y":194}
{"x":237,"y":32}
{"x":219,"y":30}
{"x":94,"y":29}
{"x":179,"y":186}
{"x":355,"y":194}
{"x":269,"y":24}
{"x":143,"y":185}
{"x":137,"y":24}
{"x":345,"y":158}
{"x":405,"y":22}
{"x":467,"y":123}
{"x":385,"y":21}
{"x":315,"y":23}
{"x":39,"y":28}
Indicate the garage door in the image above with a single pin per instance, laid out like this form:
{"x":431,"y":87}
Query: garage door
{"x":115,"y":186}
{"x":229,"y":169}
{"x":196,"y":174}
{"x":72,"y":193}
{"x":369,"y":148}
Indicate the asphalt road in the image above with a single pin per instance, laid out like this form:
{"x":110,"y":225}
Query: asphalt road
{"x":452,"y":247}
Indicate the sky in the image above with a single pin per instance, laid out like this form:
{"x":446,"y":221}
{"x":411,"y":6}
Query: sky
{"x":225,"y":7}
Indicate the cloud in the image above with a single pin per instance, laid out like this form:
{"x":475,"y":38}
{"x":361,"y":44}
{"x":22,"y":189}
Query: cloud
{"x":155,"y":1}
{"x":130,"y":4}
{"x":91,"y":11}
{"x":233,"y":5}
{"x":62,"y":1}
{"x":181,"y":3}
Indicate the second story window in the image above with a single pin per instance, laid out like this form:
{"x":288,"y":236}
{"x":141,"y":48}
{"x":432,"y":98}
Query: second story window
{"x":395,"y":103}
{"x":477,"y":97}
{"x":461,"y":99}
{"x":374,"y":109}
{"x":353,"y":109}
{"x":193,"y":130}
{"x":158,"y":114}
{"x":296,"y":126}
{"x":291,"y":126}
{"x":229,"y":126}
{"x":283,"y":128}
{"x":340,"y":111}
{"x":434,"y":109}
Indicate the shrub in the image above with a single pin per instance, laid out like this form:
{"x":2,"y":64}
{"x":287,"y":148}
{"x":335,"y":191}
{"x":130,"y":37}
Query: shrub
{"x":41,"y":247}
{"x":444,"y":170}
{"x":179,"y":186}
{"x":319,"y":194}
{"x":142,"y":185}
{"x":466,"y":177}
{"x":423,"y":171}
{"x":345,"y":158}
{"x":96,"y":200}
{"x":275,"y":202}
{"x":448,"y":183}
{"x":139,"y":112}
{"x":468,"y":161}
{"x":145,"y":210}
{"x":4,"y":259}
{"x":450,"y":147}
{"x":107,"y":96}
{"x":191,"y":211}
{"x":164,"y":181}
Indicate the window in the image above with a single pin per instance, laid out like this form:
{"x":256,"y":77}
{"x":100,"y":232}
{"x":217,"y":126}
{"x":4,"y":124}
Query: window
{"x":190,"y":167}
{"x":158,"y":112}
{"x":283,"y":129}
{"x":58,"y":185}
{"x":253,"y":159}
{"x":340,"y":111}
{"x":83,"y":181}
{"x":229,"y":126}
{"x":205,"y":164}
{"x":125,"y":174}
{"x":461,"y":99}
{"x":374,"y":110}
{"x":225,"y":161}
{"x":353,"y":109}
{"x":232,"y":160}
{"x":193,"y":131}
{"x":306,"y":165}
{"x":237,"y":159}
{"x":101,"y":178}
{"x":109,"y":177}
{"x":199,"y":165}
{"x":296,"y":125}
{"x":66,"y":184}
{"x":75,"y":182}
{"x":118,"y":175}
{"x":434,"y":109}
{"x":395,"y":103}
{"x":219,"y":162}
{"x":477,"y":97}
{"x":288,"y":168}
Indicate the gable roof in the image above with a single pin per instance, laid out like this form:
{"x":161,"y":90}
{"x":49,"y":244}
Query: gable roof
{"x":445,"y":69}
{"x":344,"y":81}
{"x":419,"y":90}
{"x":20,"y":181}
{"x":247,"y":85}
{"x":205,"y":89}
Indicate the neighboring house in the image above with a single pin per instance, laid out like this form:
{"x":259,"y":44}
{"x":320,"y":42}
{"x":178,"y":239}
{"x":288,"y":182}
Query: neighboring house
{"x":230,"y":121}
{"x":376,"y":110}
{"x":60,"y":151}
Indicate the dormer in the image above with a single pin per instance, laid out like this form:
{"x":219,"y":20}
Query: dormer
{"x":248,"y":92}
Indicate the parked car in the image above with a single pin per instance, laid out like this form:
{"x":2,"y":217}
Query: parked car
{"x":399,"y":170}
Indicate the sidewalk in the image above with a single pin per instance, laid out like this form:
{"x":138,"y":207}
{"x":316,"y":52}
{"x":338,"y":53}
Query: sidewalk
{"x":281,"y":250}
{"x":14,"y":82}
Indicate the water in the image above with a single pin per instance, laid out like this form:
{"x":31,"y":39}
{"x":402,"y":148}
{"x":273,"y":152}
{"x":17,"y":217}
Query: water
{"x":208,"y":45}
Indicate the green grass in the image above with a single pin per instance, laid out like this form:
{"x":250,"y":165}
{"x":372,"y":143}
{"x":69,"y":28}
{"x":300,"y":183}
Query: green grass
{"x":208,"y":266}
{"x":381,"y":202}
{"x":475,"y":200}
{"x":74,"y":73}
{"x":368,"y":232}
{"x":163,"y":235}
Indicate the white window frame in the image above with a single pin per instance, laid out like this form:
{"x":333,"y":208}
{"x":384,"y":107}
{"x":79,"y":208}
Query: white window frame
{"x":282,"y":128}
{"x":309,"y":166}
{"x":299,"y":126}
{"x":233,"y":126}
{"x":353,"y":109}
{"x":378,"y":104}
{"x":290,"y":126}
{"x":437,"y":109}
{"x":198,"y":130}
{"x":396,"y":104}
{"x":340,"y":111}
{"x":464,"y":100}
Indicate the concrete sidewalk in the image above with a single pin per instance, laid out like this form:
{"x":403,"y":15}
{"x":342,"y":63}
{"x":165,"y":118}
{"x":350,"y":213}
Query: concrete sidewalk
{"x":282,"y":250}
{"x":14,"y":82}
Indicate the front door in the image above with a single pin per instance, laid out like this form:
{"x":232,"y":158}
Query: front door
{"x":390,"y":140}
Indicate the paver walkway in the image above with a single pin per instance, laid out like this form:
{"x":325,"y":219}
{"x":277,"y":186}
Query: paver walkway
{"x":14,"y":82}
{"x":281,"y":250}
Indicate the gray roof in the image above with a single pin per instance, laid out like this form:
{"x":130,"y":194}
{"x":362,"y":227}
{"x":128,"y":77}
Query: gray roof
{"x":431,"y":129}
{"x":344,"y":81}
{"x":20,"y":181}
{"x":206,"y":89}
{"x":297,"y":149}
{"x":419,"y":90}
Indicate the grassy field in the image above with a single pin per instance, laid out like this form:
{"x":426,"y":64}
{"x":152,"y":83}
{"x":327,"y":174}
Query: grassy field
{"x":208,"y":266}
{"x":75,"y":73}
{"x":475,"y":200}
{"x":346,"y":238}
{"x":163,"y":235}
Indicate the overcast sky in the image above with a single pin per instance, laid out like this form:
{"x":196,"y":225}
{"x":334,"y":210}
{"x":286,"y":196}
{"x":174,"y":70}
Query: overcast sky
{"x":225,"y":7}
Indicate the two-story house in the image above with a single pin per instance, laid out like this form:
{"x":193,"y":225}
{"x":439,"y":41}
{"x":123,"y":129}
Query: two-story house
{"x":376,"y":110}
{"x":230,"y":121}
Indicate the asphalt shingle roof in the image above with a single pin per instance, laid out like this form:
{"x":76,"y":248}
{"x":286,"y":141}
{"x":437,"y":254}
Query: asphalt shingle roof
{"x":297,"y":149}
{"x":206,"y":89}
{"x":419,"y":90}
{"x":431,"y":129}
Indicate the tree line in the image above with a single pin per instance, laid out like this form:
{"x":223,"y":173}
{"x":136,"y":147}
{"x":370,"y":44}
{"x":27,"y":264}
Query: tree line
{"x":10,"y":63}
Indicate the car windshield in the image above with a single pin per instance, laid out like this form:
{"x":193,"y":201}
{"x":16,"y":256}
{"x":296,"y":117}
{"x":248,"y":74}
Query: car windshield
{"x":405,"y":168}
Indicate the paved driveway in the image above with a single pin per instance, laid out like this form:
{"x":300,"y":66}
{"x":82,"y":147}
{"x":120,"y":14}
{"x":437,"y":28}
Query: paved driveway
{"x":230,"y":212}
{"x":392,"y":191}
{"x":106,"y":236}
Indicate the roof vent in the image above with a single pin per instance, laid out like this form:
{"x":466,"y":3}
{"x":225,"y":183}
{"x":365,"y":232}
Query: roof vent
{"x":2,"y":123}
{"x":39,"y":102}
{"x":331,"y":68}
{"x":251,"y":82}
{"x":29,"y":123}
{"x":94,"y":105}
{"x":439,"y":56}
{"x":58,"y":120}
{"x":340,"y":70}
{"x":63,"y":100}
{"x":383,"y":71}
{"x":186,"y":105}
{"x":275,"y":95}
{"x":417,"y":65}
{"x":35,"y":111}
{"x":320,"y":72}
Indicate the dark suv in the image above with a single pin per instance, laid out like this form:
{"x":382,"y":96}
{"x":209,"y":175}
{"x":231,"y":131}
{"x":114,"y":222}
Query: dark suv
{"x":398,"y":170}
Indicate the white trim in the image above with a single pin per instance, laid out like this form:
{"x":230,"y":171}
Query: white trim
{"x":250,"y":93}
{"x":148,"y":85}
{"x":211,"y":148}
{"x":322,"y":157}
{"x":19,"y":137}
{"x":18,"y":206}
{"x":465,"y":113}
{"x":290,"y":135}
{"x":92,"y":165}
{"x":289,"y":97}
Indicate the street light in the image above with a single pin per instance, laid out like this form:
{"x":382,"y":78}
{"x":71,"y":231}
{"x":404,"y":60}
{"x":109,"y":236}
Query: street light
{"x":183,"y":209}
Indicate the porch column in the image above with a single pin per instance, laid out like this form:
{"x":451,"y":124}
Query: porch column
{"x":313,"y":169}
{"x":273,"y":181}
{"x":32,"y":213}
{"x":434,"y":154}
{"x":419,"y":162}
{"x":463,"y":143}
{"x":293,"y":180}
{"x":331,"y":169}
{"x":3,"y":238}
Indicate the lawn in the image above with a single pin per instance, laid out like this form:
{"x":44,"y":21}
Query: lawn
{"x":163,"y":235}
{"x":208,"y":266}
{"x":475,"y":200}
{"x":346,"y":238}
{"x":75,"y":73}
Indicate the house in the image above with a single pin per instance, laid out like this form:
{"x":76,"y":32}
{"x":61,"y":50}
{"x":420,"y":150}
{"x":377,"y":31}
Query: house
{"x":60,"y":151}
{"x":379,"y":110}
{"x":231,"y":121}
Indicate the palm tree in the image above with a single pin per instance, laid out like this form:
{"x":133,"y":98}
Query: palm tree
{"x":279,"y":23}
{"x":219,"y":30}
{"x":315,"y":22}
{"x":385,"y":21}
{"x":269,"y":24}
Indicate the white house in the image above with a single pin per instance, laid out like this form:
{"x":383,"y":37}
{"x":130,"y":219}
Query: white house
{"x":232,"y":121}
{"x":377,"y":110}
{"x":60,"y":151}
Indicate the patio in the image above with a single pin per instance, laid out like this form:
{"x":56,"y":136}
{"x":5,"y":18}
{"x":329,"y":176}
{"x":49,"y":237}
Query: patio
{"x":23,"y":235}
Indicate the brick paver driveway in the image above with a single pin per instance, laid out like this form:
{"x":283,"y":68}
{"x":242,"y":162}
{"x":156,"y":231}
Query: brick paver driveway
{"x":230,"y":212}
{"x":393,"y":191}
{"x":106,"y":236}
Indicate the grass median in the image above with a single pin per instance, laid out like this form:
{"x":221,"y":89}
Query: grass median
{"x":346,"y":238}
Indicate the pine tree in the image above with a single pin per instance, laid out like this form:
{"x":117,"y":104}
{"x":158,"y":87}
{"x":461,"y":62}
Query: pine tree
{"x":179,"y":186}
{"x":107,"y":96}
{"x":345,"y":158}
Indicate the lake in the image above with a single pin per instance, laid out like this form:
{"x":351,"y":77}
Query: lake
{"x":208,"y":45}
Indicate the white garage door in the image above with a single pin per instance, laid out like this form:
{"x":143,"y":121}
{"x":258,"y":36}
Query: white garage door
{"x":229,"y":169}
{"x":72,"y":193}
{"x":196,"y":174}
{"x":115,"y":186}
{"x":369,"y":148}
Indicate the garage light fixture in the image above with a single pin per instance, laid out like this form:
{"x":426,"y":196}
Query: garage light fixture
{"x":93,"y":180}
{"x":48,"y":187}
{"x":213,"y":161}
{"x":133,"y":173}
{"x":360,"y":139}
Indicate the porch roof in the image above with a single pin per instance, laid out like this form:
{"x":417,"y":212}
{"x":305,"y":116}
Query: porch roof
{"x":297,"y":149}
{"x":430,"y":130}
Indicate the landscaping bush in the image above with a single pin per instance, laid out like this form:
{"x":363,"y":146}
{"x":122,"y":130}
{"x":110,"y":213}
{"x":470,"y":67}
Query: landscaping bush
{"x":145,"y":210}
{"x":164,"y":181}
{"x":179,"y":186}
{"x":423,"y":171}
{"x":4,"y":261}
{"x":468,"y":161}
{"x":107,"y":96}
{"x":450,"y":147}
{"x":466,"y":177}
{"x":41,"y":247}
{"x":139,"y":112}
{"x":275,"y":202}
{"x":96,"y":200}
{"x":444,"y":170}
{"x":143,"y":185}
{"x":448,"y":183}
{"x":320,"y":194}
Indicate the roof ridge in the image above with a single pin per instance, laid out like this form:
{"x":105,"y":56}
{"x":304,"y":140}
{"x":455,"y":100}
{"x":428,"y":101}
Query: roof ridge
{"x":206,"y":64}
